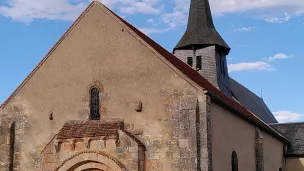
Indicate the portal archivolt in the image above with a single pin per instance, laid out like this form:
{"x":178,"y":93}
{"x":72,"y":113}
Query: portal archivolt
{"x":90,"y":161}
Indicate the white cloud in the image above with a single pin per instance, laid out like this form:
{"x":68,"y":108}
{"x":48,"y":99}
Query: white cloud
{"x":28,"y":10}
{"x":150,"y":21}
{"x":262,"y":65}
{"x":224,"y":6}
{"x":245,"y":29}
{"x":287,"y":116}
{"x":279,"y":56}
{"x":250,"y":66}
{"x":284,"y":19}
{"x":154,"y":30}
{"x":145,"y":7}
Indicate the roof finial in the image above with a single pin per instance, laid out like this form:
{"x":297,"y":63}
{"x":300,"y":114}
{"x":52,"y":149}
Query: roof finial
{"x":262,"y":94}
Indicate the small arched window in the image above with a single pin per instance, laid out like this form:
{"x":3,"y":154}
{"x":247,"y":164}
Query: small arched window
{"x":94,"y":108}
{"x":234,"y":162}
{"x":280,"y":169}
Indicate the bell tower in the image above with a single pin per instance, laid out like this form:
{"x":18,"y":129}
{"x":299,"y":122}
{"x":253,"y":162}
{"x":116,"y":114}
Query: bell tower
{"x":203,"y":48}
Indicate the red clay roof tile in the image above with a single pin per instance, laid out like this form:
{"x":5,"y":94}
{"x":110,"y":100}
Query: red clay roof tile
{"x":81,"y":129}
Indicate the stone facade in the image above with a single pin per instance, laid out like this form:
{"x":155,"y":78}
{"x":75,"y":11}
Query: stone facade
{"x":150,"y":119}
{"x":60,"y":86}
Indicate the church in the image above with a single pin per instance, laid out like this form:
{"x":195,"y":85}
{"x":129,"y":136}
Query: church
{"x":106,"y":97}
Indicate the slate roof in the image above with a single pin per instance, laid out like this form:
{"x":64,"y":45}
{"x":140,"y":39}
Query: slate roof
{"x":251,"y":102}
{"x":92,"y":128}
{"x":295,"y":133}
{"x":200,"y":30}
{"x":185,"y":69}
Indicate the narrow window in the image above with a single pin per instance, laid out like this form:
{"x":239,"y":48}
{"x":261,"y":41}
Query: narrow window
{"x":199,"y":63}
{"x":223,"y":66}
{"x":12,"y":146}
{"x":190,"y":61}
{"x":234,"y":162}
{"x":95,"y":115}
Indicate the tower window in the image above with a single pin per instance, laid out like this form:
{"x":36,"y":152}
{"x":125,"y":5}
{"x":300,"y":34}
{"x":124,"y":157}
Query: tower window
{"x":222,"y":65}
{"x":199,"y":63}
{"x":190,"y":61}
{"x":94,"y":108}
{"x":234,"y":162}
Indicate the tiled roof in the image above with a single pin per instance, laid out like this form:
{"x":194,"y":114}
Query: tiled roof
{"x":200,"y":30}
{"x":81,"y":129}
{"x":184,"y":68}
{"x":251,"y":102}
{"x":295,"y":133}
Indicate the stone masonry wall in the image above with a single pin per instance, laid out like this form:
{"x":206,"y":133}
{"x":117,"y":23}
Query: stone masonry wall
{"x":211,"y":68}
{"x":184,"y":54}
{"x":204,"y":133}
{"x":12,"y":127}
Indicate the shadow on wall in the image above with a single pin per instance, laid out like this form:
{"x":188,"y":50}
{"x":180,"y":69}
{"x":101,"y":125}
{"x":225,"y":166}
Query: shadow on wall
{"x":295,"y":164}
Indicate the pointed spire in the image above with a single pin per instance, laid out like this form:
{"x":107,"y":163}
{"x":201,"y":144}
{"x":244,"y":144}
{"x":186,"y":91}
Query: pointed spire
{"x":200,"y":30}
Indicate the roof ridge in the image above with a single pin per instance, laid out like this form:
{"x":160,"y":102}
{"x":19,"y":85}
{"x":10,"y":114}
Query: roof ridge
{"x":47,"y":55}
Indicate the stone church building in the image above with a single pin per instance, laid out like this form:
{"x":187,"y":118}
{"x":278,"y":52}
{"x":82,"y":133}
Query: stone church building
{"x":106,"y":97}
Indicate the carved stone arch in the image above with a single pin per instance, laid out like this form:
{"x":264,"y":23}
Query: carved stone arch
{"x":87,"y":160}
{"x":95,"y":84}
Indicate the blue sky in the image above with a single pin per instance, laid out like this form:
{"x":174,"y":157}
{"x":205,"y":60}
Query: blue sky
{"x":266,"y":38}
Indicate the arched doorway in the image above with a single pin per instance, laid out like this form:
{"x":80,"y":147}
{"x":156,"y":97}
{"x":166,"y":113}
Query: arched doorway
{"x":90,"y":161}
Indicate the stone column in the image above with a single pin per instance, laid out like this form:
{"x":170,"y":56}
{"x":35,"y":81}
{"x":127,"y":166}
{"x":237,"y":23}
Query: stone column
{"x":204,"y":132}
{"x":259,"y":156}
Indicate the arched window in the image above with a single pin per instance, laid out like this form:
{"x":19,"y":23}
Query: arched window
{"x":234,"y":162}
{"x":280,"y":169}
{"x":94,"y":108}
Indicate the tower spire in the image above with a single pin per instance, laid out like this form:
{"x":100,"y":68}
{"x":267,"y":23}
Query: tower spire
{"x":200,"y":30}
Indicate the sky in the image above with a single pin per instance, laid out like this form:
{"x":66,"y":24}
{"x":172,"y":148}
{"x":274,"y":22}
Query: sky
{"x":265,"y":37}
